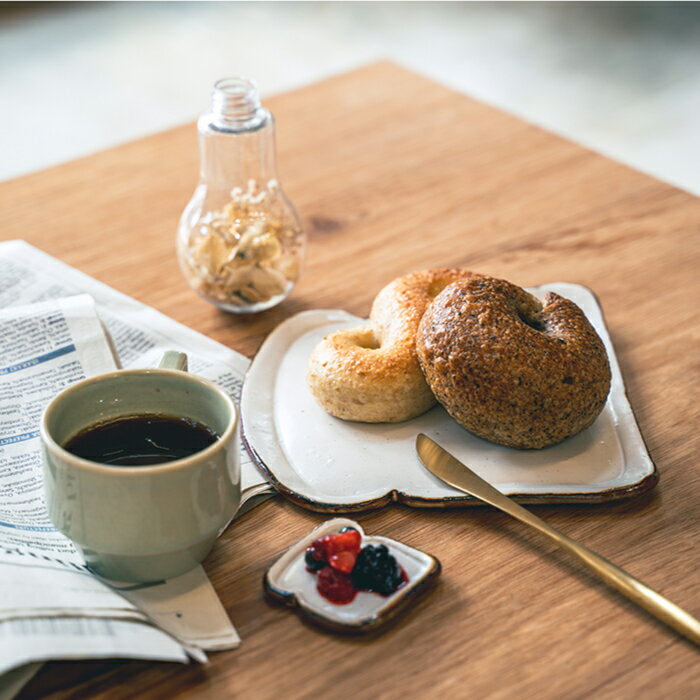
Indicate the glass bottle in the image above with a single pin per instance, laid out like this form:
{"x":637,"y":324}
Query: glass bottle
{"x":240,"y":242}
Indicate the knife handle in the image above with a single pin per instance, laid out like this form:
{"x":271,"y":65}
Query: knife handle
{"x":613,"y":575}
{"x":448,"y":468}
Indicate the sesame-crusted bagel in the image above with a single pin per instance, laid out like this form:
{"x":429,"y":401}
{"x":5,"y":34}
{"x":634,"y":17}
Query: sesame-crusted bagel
{"x":371,"y":374}
{"x":509,"y":368}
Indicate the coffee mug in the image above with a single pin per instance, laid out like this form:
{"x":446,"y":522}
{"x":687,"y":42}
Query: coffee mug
{"x":150,"y":522}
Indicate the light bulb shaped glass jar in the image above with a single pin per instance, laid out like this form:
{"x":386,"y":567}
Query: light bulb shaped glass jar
{"x":240,"y":242}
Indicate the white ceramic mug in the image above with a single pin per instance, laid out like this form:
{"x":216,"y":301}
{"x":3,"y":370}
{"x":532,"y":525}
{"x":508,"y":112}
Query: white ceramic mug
{"x":142,"y":523}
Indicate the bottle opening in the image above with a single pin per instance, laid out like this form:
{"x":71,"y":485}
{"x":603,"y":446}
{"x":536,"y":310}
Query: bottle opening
{"x":236,"y":104}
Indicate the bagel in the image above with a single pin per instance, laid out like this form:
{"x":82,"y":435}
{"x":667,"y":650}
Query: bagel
{"x":509,"y":368}
{"x":371,"y":374}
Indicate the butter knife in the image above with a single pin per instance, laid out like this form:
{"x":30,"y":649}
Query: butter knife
{"x":448,"y":468}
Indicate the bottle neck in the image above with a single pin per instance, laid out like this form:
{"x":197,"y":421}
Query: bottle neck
{"x":230,"y":160}
{"x":237,"y":137}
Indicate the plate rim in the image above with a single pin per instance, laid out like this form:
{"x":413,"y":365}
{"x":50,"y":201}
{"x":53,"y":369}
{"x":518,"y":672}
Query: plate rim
{"x":393,"y":495}
{"x":617,"y":493}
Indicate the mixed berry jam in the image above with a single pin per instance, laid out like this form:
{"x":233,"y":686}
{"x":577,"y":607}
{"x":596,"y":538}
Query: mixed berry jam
{"x":344,"y":567}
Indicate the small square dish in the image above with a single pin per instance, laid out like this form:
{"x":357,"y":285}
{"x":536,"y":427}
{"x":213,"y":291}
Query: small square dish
{"x":289,"y":581}
{"x":326,"y":464}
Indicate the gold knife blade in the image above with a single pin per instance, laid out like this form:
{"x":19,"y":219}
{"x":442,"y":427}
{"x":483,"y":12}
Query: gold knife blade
{"x":448,"y":468}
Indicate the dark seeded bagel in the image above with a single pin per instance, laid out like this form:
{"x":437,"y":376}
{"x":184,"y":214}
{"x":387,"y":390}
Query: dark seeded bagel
{"x":509,"y":368}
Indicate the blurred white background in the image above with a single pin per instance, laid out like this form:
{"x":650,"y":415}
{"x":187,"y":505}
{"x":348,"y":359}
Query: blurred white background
{"x":621,"y":78}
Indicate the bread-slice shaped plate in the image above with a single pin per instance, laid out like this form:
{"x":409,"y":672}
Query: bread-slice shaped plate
{"x":289,"y":582}
{"x":330,"y":465}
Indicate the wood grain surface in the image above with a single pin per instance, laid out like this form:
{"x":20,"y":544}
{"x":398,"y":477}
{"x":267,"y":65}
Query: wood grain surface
{"x":392,"y":173}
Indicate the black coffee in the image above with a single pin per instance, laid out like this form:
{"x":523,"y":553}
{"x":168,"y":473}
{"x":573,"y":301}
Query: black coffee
{"x":133,"y":441}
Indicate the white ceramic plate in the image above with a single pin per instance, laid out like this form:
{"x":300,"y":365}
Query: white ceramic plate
{"x":327,"y":464}
{"x":288,"y":581}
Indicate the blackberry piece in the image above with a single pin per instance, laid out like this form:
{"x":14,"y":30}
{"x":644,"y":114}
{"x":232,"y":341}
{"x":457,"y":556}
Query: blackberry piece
{"x":314,"y":559}
{"x":377,"y":570}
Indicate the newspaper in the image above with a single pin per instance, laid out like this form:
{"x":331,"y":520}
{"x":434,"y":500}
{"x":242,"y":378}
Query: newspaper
{"x":57,"y":326}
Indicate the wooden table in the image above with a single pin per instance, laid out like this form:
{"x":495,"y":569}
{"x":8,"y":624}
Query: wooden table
{"x":392,"y":173}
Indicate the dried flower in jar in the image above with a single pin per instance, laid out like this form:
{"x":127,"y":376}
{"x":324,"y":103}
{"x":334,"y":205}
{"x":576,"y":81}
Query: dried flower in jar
{"x":241,"y":255}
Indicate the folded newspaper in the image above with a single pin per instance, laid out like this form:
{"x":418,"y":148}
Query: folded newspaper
{"x":58,"y":326}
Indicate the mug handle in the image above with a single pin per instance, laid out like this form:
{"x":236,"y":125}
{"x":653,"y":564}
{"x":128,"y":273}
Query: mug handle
{"x":173,"y":360}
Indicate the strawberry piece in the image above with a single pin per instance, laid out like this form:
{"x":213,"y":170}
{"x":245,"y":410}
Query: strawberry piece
{"x":318,"y":552}
{"x":320,"y":547}
{"x":327,"y":546}
{"x":348,"y":541}
{"x":343,"y":561}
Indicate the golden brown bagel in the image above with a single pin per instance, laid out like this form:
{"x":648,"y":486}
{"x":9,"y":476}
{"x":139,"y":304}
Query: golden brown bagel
{"x":509,"y":368}
{"x":371,"y":374}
